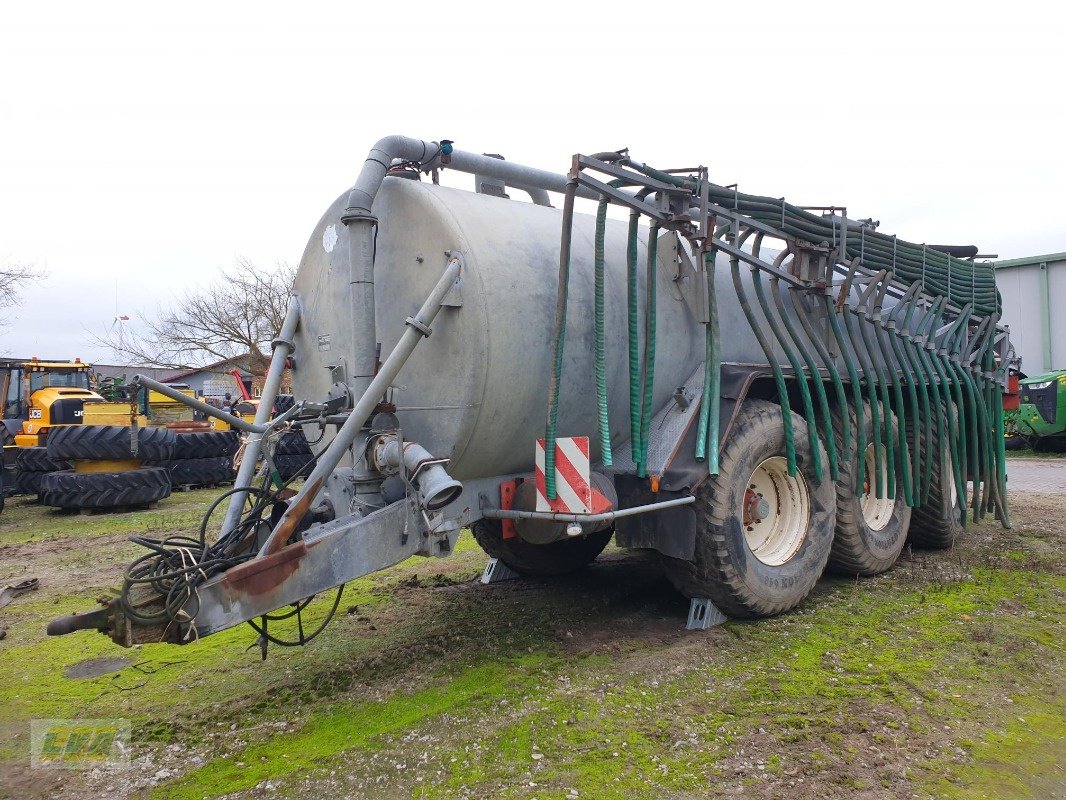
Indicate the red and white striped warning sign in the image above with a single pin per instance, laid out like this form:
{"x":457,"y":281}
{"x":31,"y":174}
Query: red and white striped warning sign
{"x":572,"y":488}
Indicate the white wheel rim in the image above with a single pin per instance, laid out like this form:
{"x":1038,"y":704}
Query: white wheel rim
{"x":953,"y":491}
{"x":777,"y":511}
{"x":876,"y":511}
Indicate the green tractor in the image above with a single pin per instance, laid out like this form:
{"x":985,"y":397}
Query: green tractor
{"x":1040,"y":421}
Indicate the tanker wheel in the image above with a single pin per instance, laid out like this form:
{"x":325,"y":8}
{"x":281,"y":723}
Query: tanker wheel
{"x":937,"y":523}
{"x":870,"y":530}
{"x":762,"y":536}
{"x":539,"y":560}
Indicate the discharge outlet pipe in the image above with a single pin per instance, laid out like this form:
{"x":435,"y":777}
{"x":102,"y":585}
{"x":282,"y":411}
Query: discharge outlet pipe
{"x":417,"y":329}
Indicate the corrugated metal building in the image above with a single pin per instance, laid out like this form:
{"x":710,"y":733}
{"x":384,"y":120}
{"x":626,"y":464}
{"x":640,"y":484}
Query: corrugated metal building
{"x":1034,"y":296}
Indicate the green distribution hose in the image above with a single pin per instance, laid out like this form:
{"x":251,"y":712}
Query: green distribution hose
{"x":879,"y":484}
{"x":634,"y":337}
{"x":803,"y":314}
{"x":960,"y":282}
{"x":930,"y":414}
{"x":876,"y":331}
{"x":865,"y":330}
{"x":779,"y":377}
{"x":956,"y":416}
{"x":848,"y":357}
{"x":797,"y":368}
{"x":919,"y":398}
{"x":649,"y":352}
{"x":816,"y":377}
{"x":707,"y":431}
{"x":604,"y":424}
{"x":558,"y":340}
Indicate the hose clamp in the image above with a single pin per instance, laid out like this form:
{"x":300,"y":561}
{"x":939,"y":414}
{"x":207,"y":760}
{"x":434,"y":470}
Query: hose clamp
{"x":419,"y":326}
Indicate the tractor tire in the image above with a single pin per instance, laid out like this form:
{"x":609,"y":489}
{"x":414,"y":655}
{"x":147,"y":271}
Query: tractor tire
{"x":937,"y":524}
{"x":769,"y":566}
{"x":139,"y":487}
{"x":290,"y":466}
{"x":282,"y":403}
{"x":198,"y":471}
{"x":35,"y":459}
{"x":29,"y":482}
{"x":292,"y":443}
{"x":109,"y":442}
{"x":539,"y":560}
{"x":206,"y":444}
{"x":870,"y":532}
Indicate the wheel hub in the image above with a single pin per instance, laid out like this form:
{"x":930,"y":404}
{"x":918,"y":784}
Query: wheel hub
{"x":876,"y":511}
{"x":776,"y":512}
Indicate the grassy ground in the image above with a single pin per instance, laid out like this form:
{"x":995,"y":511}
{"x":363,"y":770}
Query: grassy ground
{"x":943,"y":678}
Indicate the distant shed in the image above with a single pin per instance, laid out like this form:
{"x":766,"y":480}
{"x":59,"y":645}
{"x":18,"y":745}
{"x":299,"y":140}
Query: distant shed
{"x":1034,"y":306}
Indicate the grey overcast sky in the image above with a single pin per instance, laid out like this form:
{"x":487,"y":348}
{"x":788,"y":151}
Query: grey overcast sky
{"x":146,"y":145}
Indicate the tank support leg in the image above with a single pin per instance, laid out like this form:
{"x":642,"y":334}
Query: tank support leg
{"x":703,"y":614}
{"x":496,"y":571}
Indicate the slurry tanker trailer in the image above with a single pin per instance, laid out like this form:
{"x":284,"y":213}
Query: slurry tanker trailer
{"x":752,"y":390}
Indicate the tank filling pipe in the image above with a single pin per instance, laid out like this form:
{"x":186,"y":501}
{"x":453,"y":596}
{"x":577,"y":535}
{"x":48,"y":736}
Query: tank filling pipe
{"x":417,"y":329}
{"x":282,"y":348}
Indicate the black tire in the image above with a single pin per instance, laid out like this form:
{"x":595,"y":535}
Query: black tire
{"x":292,"y":443}
{"x":539,"y":560}
{"x":724,"y":568}
{"x":68,"y":489}
{"x":35,"y":459}
{"x":206,"y":444}
{"x":109,"y":442}
{"x":859,"y":548}
{"x":282,"y":403}
{"x":937,"y":524}
{"x":292,"y":466}
{"x":1016,"y":442}
{"x":202,"y":471}
{"x":28,"y":482}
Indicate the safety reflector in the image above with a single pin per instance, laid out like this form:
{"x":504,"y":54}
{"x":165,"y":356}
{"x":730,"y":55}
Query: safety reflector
{"x":572,"y":488}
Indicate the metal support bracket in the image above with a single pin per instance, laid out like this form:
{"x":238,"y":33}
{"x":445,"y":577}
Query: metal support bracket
{"x":703,"y":614}
{"x":496,"y":571}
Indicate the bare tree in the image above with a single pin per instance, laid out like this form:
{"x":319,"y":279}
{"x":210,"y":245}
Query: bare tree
{"x":233,"y":317}
{"x":13,"y":279}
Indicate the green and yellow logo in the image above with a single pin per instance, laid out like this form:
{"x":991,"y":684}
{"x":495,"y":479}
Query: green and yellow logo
{"x":74,"y":743}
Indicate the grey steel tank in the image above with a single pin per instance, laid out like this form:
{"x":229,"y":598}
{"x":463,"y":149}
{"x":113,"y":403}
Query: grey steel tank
{"x":476,"y":390}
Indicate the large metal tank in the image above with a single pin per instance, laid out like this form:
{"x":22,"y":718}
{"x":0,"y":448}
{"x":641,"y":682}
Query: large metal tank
{"x":476,"y":390}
